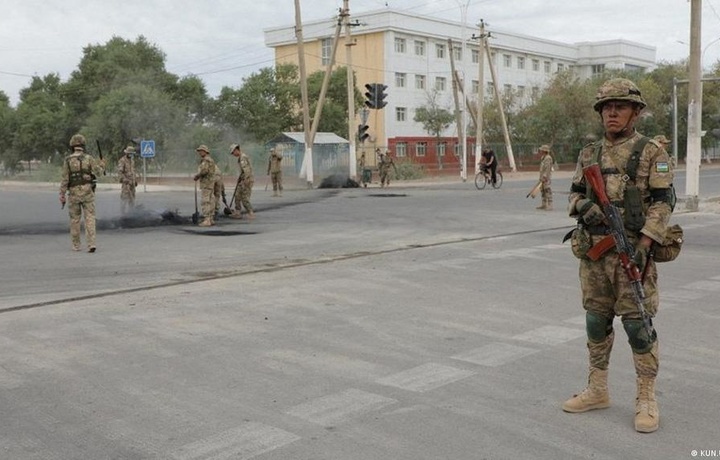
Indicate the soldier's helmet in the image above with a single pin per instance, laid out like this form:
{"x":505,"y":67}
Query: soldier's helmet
{"x":233,"y":147}
{"x":202,"y":148}
{"x":544,"y":148}
{"x":618,"y":89}
{"x":78,"y":140}
{"x":129,"y":150}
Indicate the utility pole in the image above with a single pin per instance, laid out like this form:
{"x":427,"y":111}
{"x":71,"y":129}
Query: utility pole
{"x":459,"y":117}
{"x":350,"y":89}
{"x":480,"y":98}
{"x":508,"y":146}
{"x":307,"y":159}
{"x":694,"y":146}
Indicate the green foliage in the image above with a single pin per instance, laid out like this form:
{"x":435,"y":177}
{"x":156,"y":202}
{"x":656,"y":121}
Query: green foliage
{"x":334,"y":117}
{"x":434,"y":118}
{"x":406,"y":170}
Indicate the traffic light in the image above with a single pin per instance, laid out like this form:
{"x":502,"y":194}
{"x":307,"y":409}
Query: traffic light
{"x":362,"y":133}
{"x":375,"y":95}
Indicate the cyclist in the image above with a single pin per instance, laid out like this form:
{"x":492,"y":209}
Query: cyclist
{"x":489,"y":161}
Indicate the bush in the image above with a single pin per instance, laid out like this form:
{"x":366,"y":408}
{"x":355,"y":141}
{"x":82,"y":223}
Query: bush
{"x":409,"y":171}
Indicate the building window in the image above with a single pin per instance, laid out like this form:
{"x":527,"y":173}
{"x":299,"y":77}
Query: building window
{"x":521,"y":63}
{"x":507,"y":60}
{"x":457,"y":53}
{"x":419,"y":81}
{"x":457,"y":150}
{"x":401,"y":149}
{"x":536,"y":65}
{"x":475,"y":86}
{"x":547,"y":66}
{"x":440,"y":83}
{"x":327,"y":45}
{"x":490,"y":90}
{"x":507,"y":89}
{"x":441,"y":147}
{"x":420,"y":149}
{"x":400,"y":113}
{"x":400,"y":79}
{"x":561,"y":67}
{"x":439,"y":51}
{"x":419,"y":48}
{"x":535,"y":92}
{"x":598,"y":69}
{"x":521,"y":92}
{"x":475,"y":56}
{"x":400,"y":45}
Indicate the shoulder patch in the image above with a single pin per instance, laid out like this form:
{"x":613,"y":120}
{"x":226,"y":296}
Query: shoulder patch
{"x":662,"y":167}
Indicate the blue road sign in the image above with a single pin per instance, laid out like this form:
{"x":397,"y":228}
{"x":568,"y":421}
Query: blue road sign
{"x":147,"y":149}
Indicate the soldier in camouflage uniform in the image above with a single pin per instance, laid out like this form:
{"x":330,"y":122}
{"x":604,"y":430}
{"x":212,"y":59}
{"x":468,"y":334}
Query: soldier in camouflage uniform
{"x":386,"y":162}
{"x":207,"y":176}
{"x":218,"y":191}
{"x":275,"y":171}
{"x":546,"y":167}
{"x":79,"y":173}
{"x":638,"y":178}
{"x":245,"y":183}
{"x":128,"y":179}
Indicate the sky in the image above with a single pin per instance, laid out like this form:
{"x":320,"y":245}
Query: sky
{"x":222,"y":41}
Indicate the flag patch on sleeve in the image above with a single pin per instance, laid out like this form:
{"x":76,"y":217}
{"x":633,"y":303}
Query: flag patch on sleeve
{"x":662,"y":167}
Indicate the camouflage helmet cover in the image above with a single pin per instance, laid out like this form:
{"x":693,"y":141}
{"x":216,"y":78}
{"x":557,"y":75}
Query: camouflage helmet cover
{"x":544,"y":148}
{"x":618,"y":89}
{"x":129,"y":150}
{"x":78,"y":140}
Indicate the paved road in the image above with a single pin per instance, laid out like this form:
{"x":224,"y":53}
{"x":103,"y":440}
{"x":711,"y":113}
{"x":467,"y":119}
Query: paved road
{"x":431,"y":321}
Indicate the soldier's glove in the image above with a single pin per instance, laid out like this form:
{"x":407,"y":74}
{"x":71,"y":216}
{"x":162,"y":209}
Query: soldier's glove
{"x":590,"y":212}
{"x":196,"y":177}
{"x":640,"y":257}
{"x":62,"y":199}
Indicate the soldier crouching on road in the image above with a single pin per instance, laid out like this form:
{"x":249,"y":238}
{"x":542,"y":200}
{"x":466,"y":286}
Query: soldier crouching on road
{"x":638,"y":177}
{"x":79,"y":174}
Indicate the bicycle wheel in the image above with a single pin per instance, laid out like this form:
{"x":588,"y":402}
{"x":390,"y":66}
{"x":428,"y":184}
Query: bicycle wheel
{"x":480,"y":181}
{"x":498,"y":180}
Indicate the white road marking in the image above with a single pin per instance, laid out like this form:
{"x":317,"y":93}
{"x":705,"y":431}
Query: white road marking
{"x":550,"y":335}
{"x":334,"y":409}
{"x":495,"y":354}
{"x":244,"y":442}
{"x":426,"y":377}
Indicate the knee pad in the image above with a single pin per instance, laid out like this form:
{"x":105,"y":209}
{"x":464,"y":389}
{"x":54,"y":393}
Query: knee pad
{"x":640,"y":341}
{"x":598,"y":327}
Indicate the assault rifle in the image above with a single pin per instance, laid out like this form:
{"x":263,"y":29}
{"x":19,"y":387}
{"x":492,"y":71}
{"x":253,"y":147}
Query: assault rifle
{"x":625,"y":250}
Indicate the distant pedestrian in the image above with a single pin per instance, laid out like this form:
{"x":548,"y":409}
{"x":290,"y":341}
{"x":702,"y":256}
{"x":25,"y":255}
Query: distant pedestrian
{"x":243,"y":190}
{"x":386,"y":161}
{"x":274,"y":170}
{"x":546,"y":167}
{"x":207,"y":176}
{"x":128,"y":180}
{"x":79,"y":175}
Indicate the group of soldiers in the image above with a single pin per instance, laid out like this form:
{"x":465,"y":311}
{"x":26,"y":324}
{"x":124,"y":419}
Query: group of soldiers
{"x":635,"y":172}
{"x":385,"y":162}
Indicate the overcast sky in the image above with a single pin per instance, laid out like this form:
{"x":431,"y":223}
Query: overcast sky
{"x":221,"y":41}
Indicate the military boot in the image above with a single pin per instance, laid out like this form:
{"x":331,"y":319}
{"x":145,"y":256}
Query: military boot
{"x":206,"y":223}
{"x":542,"y":206}
{"x":595,"y":396}
{"x":647,"y":413}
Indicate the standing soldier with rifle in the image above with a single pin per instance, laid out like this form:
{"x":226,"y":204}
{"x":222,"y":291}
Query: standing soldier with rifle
{"x":243,"y":189}
{"x":545,"y":180}
{"x":79,"y":176}
{"x":274,"y":170}
{"x":622,"y":191}
{"x":128,"y":180}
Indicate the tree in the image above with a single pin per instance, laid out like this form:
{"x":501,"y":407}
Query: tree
{"x":434,"y":119}
{"x":334,"y":118}
{"x":266,"y":104}
{"x":8,"y":159}
{"x":43,"y":121}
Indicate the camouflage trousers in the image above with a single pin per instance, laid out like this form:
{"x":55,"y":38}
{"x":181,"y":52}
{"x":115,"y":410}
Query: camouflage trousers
{"x":209,"y":202}
{"x":276,"y":178}
{"x":546,"y":194}
{"x":127,"y":196}
{"x":242,"y":195}
{"x":81,"y":201}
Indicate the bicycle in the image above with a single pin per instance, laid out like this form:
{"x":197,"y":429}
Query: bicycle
{"x":483,"y":177}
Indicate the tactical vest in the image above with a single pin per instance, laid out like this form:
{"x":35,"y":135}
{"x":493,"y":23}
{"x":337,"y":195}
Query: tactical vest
{"x":632,"y":203}
{"x":82,"y":176}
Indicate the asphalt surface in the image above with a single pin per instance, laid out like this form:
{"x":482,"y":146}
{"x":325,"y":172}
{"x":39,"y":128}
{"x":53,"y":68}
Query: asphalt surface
{"x":428,"y":320}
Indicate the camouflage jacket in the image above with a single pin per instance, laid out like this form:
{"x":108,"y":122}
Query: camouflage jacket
{"x":546,"y":165}
{"x":126,"y":170}
{"x":245,"y":166}
{"x":206,"y":172}
{"x":654,"y":179}
{"x":79,"y":170}
{"x":275,"y":163}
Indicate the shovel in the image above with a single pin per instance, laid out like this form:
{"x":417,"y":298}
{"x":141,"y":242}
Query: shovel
{"x":196,"y":214}
{"x":228,"y":207}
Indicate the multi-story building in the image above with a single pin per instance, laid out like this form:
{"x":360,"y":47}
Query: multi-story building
{"x":411,"y":54}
